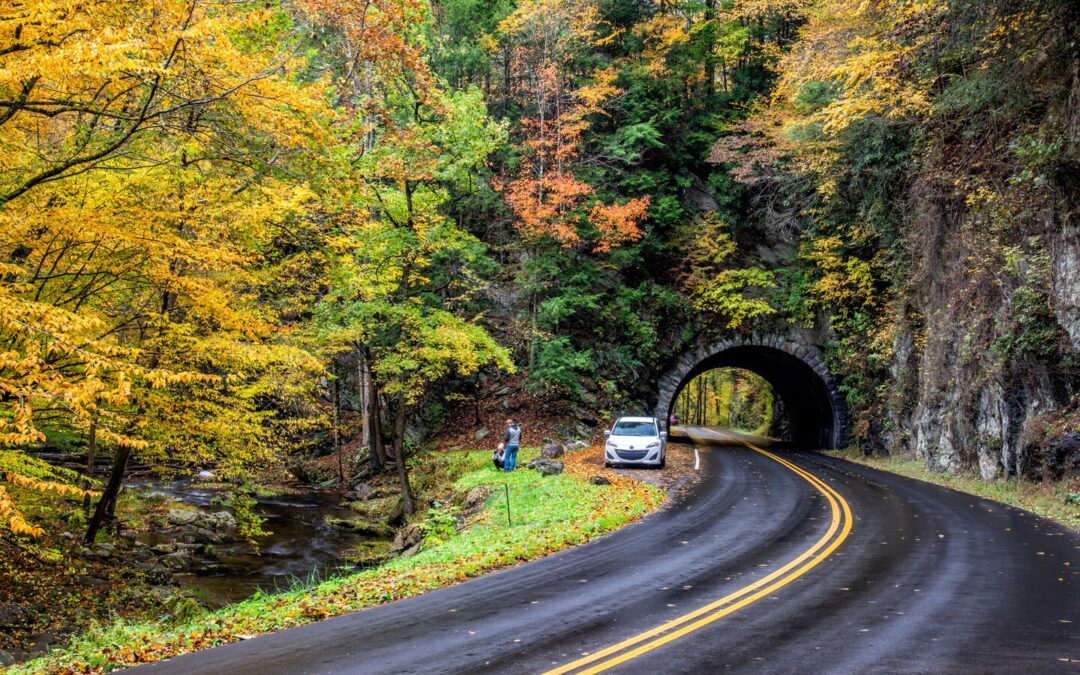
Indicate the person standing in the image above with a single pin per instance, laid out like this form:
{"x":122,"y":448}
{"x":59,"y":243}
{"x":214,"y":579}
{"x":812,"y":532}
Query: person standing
{"x":512,"y":439}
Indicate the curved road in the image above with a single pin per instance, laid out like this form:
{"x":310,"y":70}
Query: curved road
{"x":776,"y":562}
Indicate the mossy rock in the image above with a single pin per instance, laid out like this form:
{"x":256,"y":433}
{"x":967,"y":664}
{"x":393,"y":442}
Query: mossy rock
{"x":383,"y":491}
{"x":364,"y":527}
{"x":370,"y":553}
{"x":384,"y":509}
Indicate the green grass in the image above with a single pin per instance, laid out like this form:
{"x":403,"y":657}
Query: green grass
{"x":1055,"y":501}
{"x":548,"y":514}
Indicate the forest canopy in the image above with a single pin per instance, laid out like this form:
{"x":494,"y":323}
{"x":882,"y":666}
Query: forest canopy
{"x":238,"y":233}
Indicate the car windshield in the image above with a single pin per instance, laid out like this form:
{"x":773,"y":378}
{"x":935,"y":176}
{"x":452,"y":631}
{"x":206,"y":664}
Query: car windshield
{"x":634,"y":429}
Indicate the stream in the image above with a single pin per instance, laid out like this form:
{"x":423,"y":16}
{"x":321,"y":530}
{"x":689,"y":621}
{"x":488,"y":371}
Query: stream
{"x":300,"y":543}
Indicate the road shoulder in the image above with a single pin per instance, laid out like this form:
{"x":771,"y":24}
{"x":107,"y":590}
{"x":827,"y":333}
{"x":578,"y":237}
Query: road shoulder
{"x":1057,"y":501}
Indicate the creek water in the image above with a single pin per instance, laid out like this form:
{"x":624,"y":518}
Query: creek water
{"x":300,"y":544}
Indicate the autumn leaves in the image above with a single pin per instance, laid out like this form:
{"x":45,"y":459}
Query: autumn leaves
{"x":545,"y":193}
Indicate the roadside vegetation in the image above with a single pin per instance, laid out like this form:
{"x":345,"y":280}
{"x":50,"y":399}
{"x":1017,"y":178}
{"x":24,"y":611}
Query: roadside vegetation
{"x":1056,"y":500}
{"x":460,"y":540}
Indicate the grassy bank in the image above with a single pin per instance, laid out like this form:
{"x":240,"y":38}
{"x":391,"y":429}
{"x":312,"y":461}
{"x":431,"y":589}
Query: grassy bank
{"x":1058,"y":501}
{"x":548,"y":514}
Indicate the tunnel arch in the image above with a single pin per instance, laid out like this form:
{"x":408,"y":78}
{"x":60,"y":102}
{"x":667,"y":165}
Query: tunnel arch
{"x":793,"y":367}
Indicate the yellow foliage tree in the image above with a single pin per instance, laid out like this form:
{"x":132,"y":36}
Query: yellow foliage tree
{"x":144,"y":147}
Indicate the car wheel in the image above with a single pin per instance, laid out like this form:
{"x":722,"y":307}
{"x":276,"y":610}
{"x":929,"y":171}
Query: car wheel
{"x":663,"y":461}
{"x":607,"y":465}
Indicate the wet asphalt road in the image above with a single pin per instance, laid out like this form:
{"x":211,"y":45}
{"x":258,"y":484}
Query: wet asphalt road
{"x":928,"y":581}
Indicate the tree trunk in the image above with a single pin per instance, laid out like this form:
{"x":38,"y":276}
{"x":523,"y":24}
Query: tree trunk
{"x":91,"y":451}
{"x":699,"y":402}
{"x":337,"y":427}
{"x":710,"y":62}
{"x":106,"y":506}
{"x":731,"y":399}
{"x":718,"y":387}
{"x":363,"y":375}
{"x":399,"y":455}
{"x":378,"y":449}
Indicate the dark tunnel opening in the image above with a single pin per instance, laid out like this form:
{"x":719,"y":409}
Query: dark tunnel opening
{"x":802,"y":395}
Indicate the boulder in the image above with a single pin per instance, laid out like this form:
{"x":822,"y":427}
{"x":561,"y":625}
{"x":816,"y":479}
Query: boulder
{"x":152,"y":569}
{"x":176,"y":561}
{"x":546,"y":467}
{"x":220,"y":520}
{"x":215,"y":569}
{"x":164,"y":549}
{"x":102,"y":550}
{"x":364,"y":527}
{"x":599,"y":480}
{"x":553,"y":450}
{"x":409,"y":538}
{"x":360,"y":493}
{"x":482,"y":433}
{"x":202,"y":535}
{"x":369,"y":553}
{"x":182,"y":517}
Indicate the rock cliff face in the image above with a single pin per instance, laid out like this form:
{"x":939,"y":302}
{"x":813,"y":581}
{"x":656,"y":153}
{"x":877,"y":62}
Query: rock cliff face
{"x":987,"y":347}
{"x":1066,"y":267}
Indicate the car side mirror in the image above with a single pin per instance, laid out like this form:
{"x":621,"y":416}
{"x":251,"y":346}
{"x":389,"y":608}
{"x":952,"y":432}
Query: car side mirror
{"x":663,"y":434}
{"x":607,"y":432}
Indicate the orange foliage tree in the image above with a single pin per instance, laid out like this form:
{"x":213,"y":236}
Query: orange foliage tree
{"x":545,"y":194}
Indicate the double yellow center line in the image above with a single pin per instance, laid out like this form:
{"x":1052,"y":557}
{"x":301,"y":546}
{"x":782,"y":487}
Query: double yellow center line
{"x":645,"y":642}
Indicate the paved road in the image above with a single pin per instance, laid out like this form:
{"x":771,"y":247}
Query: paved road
{"x":890,"y":575}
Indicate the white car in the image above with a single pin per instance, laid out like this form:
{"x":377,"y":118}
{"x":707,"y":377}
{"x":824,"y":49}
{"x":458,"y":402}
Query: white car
{"x":636,"y":441}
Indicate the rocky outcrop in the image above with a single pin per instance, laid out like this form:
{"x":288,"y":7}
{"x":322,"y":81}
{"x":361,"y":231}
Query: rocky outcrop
{"x":1065,"y":264}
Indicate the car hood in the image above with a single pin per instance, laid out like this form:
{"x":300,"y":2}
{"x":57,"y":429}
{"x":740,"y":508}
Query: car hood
{"x":639,"y":442}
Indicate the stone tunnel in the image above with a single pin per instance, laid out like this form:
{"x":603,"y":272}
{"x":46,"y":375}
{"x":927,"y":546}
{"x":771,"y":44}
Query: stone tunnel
{"x":792,"y":364}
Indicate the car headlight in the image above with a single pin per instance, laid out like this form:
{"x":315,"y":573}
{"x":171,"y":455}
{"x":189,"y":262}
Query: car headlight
{"x":652,"y":446}
{"x":611,"y":445}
